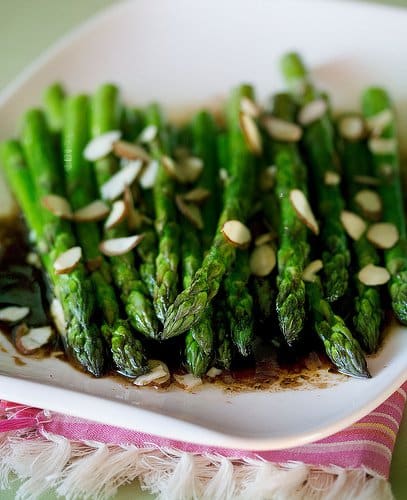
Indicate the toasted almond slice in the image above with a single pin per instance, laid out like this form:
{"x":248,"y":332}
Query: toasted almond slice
{"x":29,"y":340}
{"x":188,"y":381}
{"x":251,"y":133}
{"x":267,"y":178}
{"x":312,"y":111}
{"x":34,"y":260}
{"x":223,"y":176}
{"x":190,"y":211}
{"x":332,"y":178}
{"x":367,"y":180}
{"x":354,"y":225}
{"x":148,"y":134}
{"x":58,"y":316}
{"x":191,"y":168}
{"x":120,"y":246}
{"x":159,"y":374}
{"x":383,"y":235}
{"x":377,"y":123}
{"x":115,"y":186}
{"x":68,"y":260}
{"x":170,"y":166}
{"x":117,"y":215}
{"x":130,"y":151}
{"x":262,"y":260}
{"x":97,"y":210}
{"x":181,"y":152}
{"x":370,"y":203}
{"x":197,"y":195}
{"x":213,"y":372}
{"x":249,"y":107}
{"x":371,"y":275}
{"x":381,"y":146}
{"x":265,"y":238}
{"x":12,"y":314}
{"x":236,"y":233}
{"x":303,"y":209}
{"x":149,"y":174}
{"x":94,"y":264}
{"x":352,"y":127}
{"x":310,"y":272}
{"x":101,"y":145}
{"x":282,"y":130}
{"x":57,"y":205}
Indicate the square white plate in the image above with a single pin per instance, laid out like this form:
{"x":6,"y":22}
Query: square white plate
{"x":186,"y":54}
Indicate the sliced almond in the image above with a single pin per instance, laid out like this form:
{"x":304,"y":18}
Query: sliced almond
{"x":67,"y":261}
{"x":236,"y":233}
{"x":381,"y":146}
{"x":181,"y":152}
{"x":223,"y":176}
{"x":352,"y":127}
{"x":97,"y":210}
{"x":265,"y":238}
{"x":188,"y":381}
{"x":58,"y":316}
{"x":249,"y":107}
{"x":130,"y":151}
{"x":370,"y":203}
{"x":147,"y":179}
{"x":190,"y":211}
{"x":303,"y":209}
{"x":159,"y":374}
{"x":101,"y":145}
{"x":34,"y":260}
{"x":332,"y":178}
{"x":372,"y":275}
{"x":251,"y":134}
{"x":57,"y":205}
{"x":313,"y":268}
{"x":12,"y":314}
{"x":191,"y":168}
{"x":197,"y":195}
{"x":377,"y":123}
{"x":354,"y":225}
{"x":312,"y":111}
{"x":383,"y":235}
{"x":94,"y":264}
{"x":148,"y":134}
{"x":262,"y":260}
{"x":367,"y":180}
{"x":120,"y":246}
{"x":213,"y":372}
{"x":282,"y":130}
{"x":29,"y":340}
{"x":267,"y":178}
{"x":115,"y":186}
{"x":117,"y":215}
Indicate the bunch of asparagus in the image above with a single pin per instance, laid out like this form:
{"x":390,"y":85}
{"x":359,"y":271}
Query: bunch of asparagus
{"x":160,"y":241}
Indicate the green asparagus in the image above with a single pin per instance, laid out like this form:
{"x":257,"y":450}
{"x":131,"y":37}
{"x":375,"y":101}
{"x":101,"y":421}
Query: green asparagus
{"x":387,"y":169}
{"x":54,"y":101}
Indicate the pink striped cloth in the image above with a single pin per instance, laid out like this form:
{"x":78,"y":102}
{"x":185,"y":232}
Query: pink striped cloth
{"x":368,"y":443}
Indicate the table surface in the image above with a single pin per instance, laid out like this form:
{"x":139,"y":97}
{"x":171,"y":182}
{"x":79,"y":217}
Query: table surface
{"x":26,"y":29}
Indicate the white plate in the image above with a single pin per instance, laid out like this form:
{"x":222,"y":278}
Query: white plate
{"x":184,"y":54}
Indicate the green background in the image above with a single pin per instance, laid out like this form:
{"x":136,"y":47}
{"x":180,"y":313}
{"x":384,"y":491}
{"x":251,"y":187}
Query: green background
{"x":27,"y":27}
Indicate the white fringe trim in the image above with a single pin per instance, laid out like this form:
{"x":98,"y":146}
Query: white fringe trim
{"x":95,"y":471}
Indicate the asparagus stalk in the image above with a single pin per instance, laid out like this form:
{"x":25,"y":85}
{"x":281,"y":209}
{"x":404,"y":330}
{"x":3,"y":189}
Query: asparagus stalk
{"x":387,"y":169}
{"x":74,"y":290}
{"x":368,"y":308}
{"x":192,"y":302}
{"x":294,"y":249}
{"x":54,"y":99}
{"x":105,"y":116}
{"x":127,"y":351}
{"x":319,"y":146}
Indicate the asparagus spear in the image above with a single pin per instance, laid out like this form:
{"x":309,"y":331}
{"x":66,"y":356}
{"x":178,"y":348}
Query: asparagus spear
{"x":73,"y":290}
{"x":340,"y":346}
{"x":387,"y":169}
{"x":105,"y":116}
{"x":294,"y":249}
{"x":192,"y":302}
{"x":54,"y":98}
{"x":127,"y":351}
{"x":368,"y":309}
{"x":319,"y":146}
{"x":165,"y":221}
